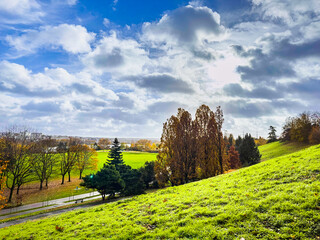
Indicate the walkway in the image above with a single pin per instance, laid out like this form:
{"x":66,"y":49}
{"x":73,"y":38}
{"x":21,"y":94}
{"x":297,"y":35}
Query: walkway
{"x":40,"y":206}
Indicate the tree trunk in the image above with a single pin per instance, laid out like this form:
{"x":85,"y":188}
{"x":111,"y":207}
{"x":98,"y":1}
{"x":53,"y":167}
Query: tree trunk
{"x":41,"y":185}
{"x":11,"y":193}
{"x":18,"y":188}
{"x":62,"y":182}
{"x":47,"y":180}
{"x":80,"y":175}
{"x":220,"y":156}
{"x":103,"y":197}
{"x":69,"y":177}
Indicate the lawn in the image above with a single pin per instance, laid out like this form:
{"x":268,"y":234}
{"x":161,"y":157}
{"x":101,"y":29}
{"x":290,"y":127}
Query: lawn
{"x":275,"y":199}
{"x":131,"y":158}
{"x":277,"y":149}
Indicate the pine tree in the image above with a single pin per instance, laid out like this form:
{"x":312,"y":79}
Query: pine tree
{"x":272,"y":134}
{"x":249,"y":152}
{"x":115,"y":156}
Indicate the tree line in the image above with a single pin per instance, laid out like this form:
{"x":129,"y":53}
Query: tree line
{"x":303,"y":128}
{"x":35,"y":159}
{"x":196,"y":149}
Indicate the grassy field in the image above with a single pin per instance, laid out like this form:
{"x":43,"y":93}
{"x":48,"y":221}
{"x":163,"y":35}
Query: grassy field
{"x":277,"y":149}
{"x":30,"y":192}
{"x":275,"y":199}
{"x":133,"y":159}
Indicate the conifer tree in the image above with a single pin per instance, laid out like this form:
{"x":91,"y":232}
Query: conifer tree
{"x":249,"y":152}
{"x":115,"y":155}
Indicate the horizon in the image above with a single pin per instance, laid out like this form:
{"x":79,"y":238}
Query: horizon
{"x":122,"y":68}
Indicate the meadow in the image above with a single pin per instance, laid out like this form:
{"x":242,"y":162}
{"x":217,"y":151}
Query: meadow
{"x":275,"y":199}
{"x":30,"y":192}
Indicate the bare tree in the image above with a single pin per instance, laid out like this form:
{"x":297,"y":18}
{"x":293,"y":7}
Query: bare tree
{"x":44,"y":160}
{"x":18,"y":153}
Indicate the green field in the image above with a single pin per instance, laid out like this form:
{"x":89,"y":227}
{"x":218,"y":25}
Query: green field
{"x":133,"y":159}
{"x":275,"y":199}
{"x":277,"y":149}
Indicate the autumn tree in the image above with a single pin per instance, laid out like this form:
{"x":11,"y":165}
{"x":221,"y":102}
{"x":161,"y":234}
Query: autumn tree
{"x":86,"y":159}
{"x":190,"y":149}
{"x":17,"y":152}
{"x":206,"y":138}
{"x":69,"y":151}
{"x":104,"y":143}
{"x":3,"y":165}
{"x":220,"y":142}
{"x":234,"y":158}
{"x":44,"y":160}
{"x":143,"y":145}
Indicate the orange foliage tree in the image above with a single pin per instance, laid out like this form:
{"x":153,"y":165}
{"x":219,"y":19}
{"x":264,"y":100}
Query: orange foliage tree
{"x":86,"y":160}
{"x":3,"y":165}
{"x":234,"y":158}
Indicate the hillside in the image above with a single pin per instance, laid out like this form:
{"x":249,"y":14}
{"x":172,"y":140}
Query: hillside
{"x":277,"y":149}
{"x":276,"y":199}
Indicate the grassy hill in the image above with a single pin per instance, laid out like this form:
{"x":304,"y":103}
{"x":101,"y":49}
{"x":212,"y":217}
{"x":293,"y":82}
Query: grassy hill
{"x":277,"y":149}
{"x":276,"y":199}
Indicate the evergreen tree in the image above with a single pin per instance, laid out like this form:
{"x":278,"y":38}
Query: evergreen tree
{"x":249,"y":152}
{"x":148,"y":175}
{"x":106,"y":181}
{"x":272,"y":134}
{"x":115,"y":155}
{"x":238,"y":143}
{"x":133,"y":183}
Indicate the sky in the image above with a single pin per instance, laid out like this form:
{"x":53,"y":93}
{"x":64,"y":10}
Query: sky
{"x":121,"y":68}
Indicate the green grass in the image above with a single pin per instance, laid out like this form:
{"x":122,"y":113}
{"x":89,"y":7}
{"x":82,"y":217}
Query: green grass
{"x":277,"y":149}
{"x":133,"y":159}
{"x":275,"y":199}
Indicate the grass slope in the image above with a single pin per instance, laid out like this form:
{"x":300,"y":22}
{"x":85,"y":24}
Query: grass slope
{"x":277,"y":149}
{"x":276,"y":199}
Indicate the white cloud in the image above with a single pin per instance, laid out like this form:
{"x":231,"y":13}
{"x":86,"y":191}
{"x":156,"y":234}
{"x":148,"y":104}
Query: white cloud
{"x":106,"y":22}
{"x":20,"y":11}
{"x":72,"y":38}
{"x":291,"y":12}
{"x":118,"y":56}
{"x":188,"y":25}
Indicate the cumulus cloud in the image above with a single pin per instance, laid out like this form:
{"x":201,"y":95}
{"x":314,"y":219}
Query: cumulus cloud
{"x":189,"y":25}
{"x":20,"y":11}
{"x":292,"y":12}
{"x":114,"y":54}
{"x":71,"y":38}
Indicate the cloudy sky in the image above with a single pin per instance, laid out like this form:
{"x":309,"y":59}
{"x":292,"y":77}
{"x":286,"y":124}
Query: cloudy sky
{"x":120,"y":68}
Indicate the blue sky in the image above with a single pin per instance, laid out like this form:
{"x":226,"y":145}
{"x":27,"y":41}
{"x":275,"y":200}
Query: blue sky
{"x":121,"y":68}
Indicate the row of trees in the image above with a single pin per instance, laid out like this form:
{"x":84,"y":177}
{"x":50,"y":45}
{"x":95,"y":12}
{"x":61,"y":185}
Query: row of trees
{"x":117,"y":177}
{"x":303,"y":128}
{"x":191,"y":149}
{"x":29,"y":159}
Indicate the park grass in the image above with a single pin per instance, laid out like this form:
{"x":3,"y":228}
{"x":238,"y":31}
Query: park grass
{"x":134,"y":159}
{"x":275,"y":199}
{"x":277,"y":149}
{"x":31,"y":194}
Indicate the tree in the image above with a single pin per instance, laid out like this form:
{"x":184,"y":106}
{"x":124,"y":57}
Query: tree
{"x":3,"y":165}
{"x":238,"y":143}
{"x":107,"y":181}
{"x":115,"y":155}
{"x":234,"y":158}
{"x":249,"y":152}
{"x":104,"y":143}
{"x":69,"y":151}
{"x":44,"y":160}
{"x":314,"y":136}
{"x":143,"y":145}
{"x":133,"y":183}
{"x":17,"y":152}
{"x":148,"y":175}
{"x":272,"y":134}
{"x":220,"y":120}
{"x":86,"y":160}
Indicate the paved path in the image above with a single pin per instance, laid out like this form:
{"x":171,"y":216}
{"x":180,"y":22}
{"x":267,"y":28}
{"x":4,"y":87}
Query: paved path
{"x":40,"y":206}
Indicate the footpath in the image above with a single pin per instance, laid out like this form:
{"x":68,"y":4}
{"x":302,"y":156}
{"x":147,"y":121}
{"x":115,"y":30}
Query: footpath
{"x":46,"y":205}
